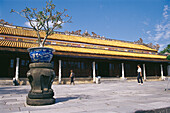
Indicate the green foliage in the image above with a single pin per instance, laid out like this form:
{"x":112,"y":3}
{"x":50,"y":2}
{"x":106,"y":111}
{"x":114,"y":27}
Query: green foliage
{"x":168,"y":57}
{"x":167,"y":49}
{"x":47,"y":19}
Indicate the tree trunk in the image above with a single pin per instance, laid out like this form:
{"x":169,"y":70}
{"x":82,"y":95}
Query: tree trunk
{"x":39,"y":39}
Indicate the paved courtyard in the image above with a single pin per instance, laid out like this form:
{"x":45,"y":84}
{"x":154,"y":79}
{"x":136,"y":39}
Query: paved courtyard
{"x":107,"y":97}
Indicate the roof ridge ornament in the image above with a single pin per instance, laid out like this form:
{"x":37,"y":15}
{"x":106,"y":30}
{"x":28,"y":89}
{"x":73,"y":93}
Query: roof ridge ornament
{"x":2,"y":21}
{"x":140,"y":42}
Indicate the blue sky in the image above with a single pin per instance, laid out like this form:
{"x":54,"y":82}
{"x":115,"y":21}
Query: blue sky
{"x":126,"y":20}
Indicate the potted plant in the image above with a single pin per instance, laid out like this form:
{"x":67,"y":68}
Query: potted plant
{"x":46,"y":20}
{"x":41,"y":74}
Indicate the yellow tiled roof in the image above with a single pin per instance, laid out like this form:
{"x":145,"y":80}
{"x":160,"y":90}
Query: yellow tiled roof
{"x":104,"y":52}
{"x":31,"y":33}
{"x":18,"y":44}
{"x":115,"y":43}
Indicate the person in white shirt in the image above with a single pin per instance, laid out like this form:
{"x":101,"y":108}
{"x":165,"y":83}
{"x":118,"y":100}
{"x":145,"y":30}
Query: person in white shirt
{"x":139,"y":77}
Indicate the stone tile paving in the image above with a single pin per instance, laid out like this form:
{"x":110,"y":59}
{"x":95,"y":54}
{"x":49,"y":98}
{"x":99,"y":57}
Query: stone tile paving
{"x":107,"y":97}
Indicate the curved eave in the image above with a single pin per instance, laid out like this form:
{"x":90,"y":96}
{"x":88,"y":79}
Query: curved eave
{"x":17,"y":44}
{"x":105,"y":52}
{"x":100,"y":42}
{"x":31,"y":33}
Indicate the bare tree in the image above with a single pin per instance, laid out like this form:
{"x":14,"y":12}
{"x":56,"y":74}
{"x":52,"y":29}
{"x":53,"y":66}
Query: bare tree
{"x":47,"y":19}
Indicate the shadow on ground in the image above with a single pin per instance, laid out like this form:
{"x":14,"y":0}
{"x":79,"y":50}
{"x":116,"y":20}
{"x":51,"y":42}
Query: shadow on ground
{"x":13,"y":90}
{"x":64,"y":99}
{"x":161,"y":110}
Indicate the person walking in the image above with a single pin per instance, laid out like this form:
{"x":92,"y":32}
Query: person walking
{"x":72,"y":75}
{"x":139,"y":77}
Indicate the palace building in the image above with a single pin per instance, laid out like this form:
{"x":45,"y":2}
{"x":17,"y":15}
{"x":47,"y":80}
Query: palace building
{"x":87,"y":56}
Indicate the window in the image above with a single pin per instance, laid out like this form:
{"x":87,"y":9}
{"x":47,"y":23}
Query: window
{"x":62,"y":64}
{"x":127,"y":67}
{"x":78,"y":65}
{"x":85,"y":65}
{"x":12,"y":63}
{"x":20,"y":39}
{"x":23,"y":62}
{"x":96,"y":66}
{"x":72,"y":64}
{"x":52,"y":64}
{"x":27,"y":62}
{"x":82,"y":65}
{"x":111,"y":66}
{"x":8,"y":38}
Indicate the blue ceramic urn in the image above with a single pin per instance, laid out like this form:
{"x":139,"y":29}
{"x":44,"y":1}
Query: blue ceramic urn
{"x":41,"y":54}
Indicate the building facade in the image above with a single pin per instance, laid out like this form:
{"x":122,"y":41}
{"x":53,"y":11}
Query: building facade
{"x":87,"y":56}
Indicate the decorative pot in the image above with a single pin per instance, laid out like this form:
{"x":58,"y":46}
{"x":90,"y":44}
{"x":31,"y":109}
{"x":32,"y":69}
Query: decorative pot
{"x":41,"y":54}
{"x":40,"y":76}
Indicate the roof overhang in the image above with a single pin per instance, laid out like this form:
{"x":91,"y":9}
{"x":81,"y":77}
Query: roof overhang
{"x":88,"y":55}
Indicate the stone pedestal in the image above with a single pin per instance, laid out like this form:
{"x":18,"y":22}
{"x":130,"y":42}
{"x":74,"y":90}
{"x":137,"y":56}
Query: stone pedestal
{"x":41,"y":76}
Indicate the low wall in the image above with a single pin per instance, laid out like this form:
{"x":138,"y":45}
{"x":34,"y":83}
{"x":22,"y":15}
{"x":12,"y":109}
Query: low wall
{"x":24,"y":81}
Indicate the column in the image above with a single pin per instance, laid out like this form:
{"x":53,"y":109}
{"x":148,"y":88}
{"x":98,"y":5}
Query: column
{"x":59,"y":72}
{"x":123,"y":72}
{"x":17,"y":69}
{"x":144,"y":72}
{"x":162,"y":74}
{"x":94,"y":72}
{"x":168,"y":68}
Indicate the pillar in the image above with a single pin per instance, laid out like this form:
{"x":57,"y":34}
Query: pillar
{"x":17,"y":69}
{"x":94,"y":72}
{"x":123,"y":72}
{"x":168,"y":68}
{"x":144,"y":72}
{"x":162,"y":75}
{"x":59,"y":72}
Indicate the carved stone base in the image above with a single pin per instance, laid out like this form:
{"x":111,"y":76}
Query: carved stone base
{"x":42,"y":95}
{"x":41,"y":76}
{"x":39,"y":102}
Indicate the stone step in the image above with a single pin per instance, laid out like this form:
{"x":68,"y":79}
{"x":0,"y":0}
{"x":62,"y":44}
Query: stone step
{"x":6,"y":82}
{"x":24,"y":81}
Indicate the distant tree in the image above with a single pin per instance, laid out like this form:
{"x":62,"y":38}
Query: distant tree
{"x":47,"y":19}
{"x":167,"y":49}
{"x":168,"y":57}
